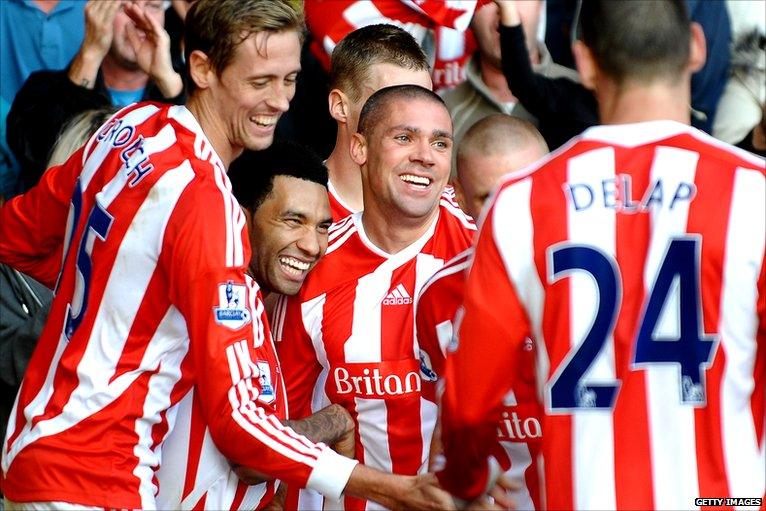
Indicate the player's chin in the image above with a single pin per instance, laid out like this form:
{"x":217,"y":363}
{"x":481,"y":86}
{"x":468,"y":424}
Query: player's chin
{"x":260,"y":140}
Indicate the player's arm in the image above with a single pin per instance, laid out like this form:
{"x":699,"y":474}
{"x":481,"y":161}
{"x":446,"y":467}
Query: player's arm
{"x":205,"y":259}
{"x":479,"y":373}
{"x":331,"y":426}
{"x":33,"y":225}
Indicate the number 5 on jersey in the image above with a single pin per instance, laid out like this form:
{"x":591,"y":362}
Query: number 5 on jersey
{"x":677,"y":282}
{"x":99,"y":222}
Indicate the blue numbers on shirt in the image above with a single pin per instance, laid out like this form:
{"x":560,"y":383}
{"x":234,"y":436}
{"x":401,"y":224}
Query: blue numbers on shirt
{"x":690,"y":349}
{"x":568,"y":390}
{"x":99,"y":222}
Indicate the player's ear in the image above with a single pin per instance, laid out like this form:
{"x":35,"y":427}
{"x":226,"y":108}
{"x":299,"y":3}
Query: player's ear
{"x":586,"y":65}
{"x":358,"y":149}
{"x":339,"y":105}
{"x":697,"y":48}
{"x":201,"y":69}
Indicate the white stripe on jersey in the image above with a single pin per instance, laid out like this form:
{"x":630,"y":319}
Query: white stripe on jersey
{"x":371,"y":289}
{"x":157,"y":399}
{"x":370,"y":415}
{"x":426,"y":265}
{"x":94,"y":160}
{"x":522,"y":458}
{"x":592,"y":430}
{"x":171,"y":485}
{"x":516,"y":247}
{"x":228,"y":212}
{"x":738,"y":327}
{"x":671,"y":428}
{"x":312,"y":315}
{"x":119,"y":302}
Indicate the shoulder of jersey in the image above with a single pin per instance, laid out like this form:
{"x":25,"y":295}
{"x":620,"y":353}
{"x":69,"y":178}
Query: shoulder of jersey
{"x":332,"y":269}
{"x":454,"y":267}
{"x":448,"y":203}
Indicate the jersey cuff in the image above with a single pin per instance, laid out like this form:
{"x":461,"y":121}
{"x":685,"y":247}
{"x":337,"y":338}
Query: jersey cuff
{"x":331,"y":473}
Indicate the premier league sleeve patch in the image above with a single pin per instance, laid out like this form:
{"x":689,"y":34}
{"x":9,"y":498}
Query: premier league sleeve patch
{"x":264,"y":380}
{"x":232,"y":312}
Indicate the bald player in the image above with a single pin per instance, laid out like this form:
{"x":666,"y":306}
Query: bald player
{"x":492,"y":147}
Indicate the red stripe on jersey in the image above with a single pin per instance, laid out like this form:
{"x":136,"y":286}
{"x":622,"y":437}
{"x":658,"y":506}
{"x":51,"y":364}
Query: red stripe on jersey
{"x":559,"y":487}
{"x":632,"y":453}
{"x":396,"y":343}
{"x":712,"y":223}
{"x":758,"y":399}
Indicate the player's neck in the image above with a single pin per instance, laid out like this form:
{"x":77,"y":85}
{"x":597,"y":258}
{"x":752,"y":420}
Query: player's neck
{"x":392,"y":233}
{"x":119,"y":77}
{"x":639,"y":103}
{"x":213,"y":128}
{"x":344,"y":173}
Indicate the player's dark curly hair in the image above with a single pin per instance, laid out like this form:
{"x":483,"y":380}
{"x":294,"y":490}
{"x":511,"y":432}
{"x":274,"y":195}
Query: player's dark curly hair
{"x":252,"y":174}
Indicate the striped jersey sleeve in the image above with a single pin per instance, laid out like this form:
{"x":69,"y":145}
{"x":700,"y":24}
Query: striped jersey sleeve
{"x":634,"y":258}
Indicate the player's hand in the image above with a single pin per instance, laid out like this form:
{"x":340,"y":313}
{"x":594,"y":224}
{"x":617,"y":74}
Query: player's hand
{"x":424,"y":493}
{"x":151,"y":44}
{"x":498,"y":497}
{"x":99,"y":27}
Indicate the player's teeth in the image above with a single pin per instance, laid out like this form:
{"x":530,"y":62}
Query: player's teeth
{"x":264,"y":120}
{"x":418,"y":180}
{"x":294,"y":264}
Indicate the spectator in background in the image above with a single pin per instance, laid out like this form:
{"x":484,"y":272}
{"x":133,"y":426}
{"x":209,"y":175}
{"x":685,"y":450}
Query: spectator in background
{"x":366,"y":60}
{"x":563,"y":107}
{"x":486,"y":90}
{"x":116,"y":65}
{"x":439,"y":27}
{"x":745,"y":92}
{"x":52,"y":32}
{"x":708,"y":83}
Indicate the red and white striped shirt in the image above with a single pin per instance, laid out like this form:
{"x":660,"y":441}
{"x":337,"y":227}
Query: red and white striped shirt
{"x":518,"y":431}
{"x":151,"y":298}
{"x":438,"y":25}
{"x":348,"y":338}
{"x":194,"y":474}
{"x":634,"y":257}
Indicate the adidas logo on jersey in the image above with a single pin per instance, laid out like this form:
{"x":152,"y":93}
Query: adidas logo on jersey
{"x":398,"y":296}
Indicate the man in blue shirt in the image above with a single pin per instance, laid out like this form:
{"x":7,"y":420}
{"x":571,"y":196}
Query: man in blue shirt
{"x":34,"y":35}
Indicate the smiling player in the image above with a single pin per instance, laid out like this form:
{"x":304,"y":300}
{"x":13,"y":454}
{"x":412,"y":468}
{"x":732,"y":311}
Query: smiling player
{"x":348,"y":337}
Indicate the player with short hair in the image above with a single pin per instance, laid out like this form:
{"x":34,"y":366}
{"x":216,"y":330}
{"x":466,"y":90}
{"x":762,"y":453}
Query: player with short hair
{"x":494,"y":146}
{"x":634,"y":259}
{"x":491,"y":148}
{"x":348,"y":336}
{"x":363,"y":62}
{"x":283,"y":194}
{"x":148,"y":248}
